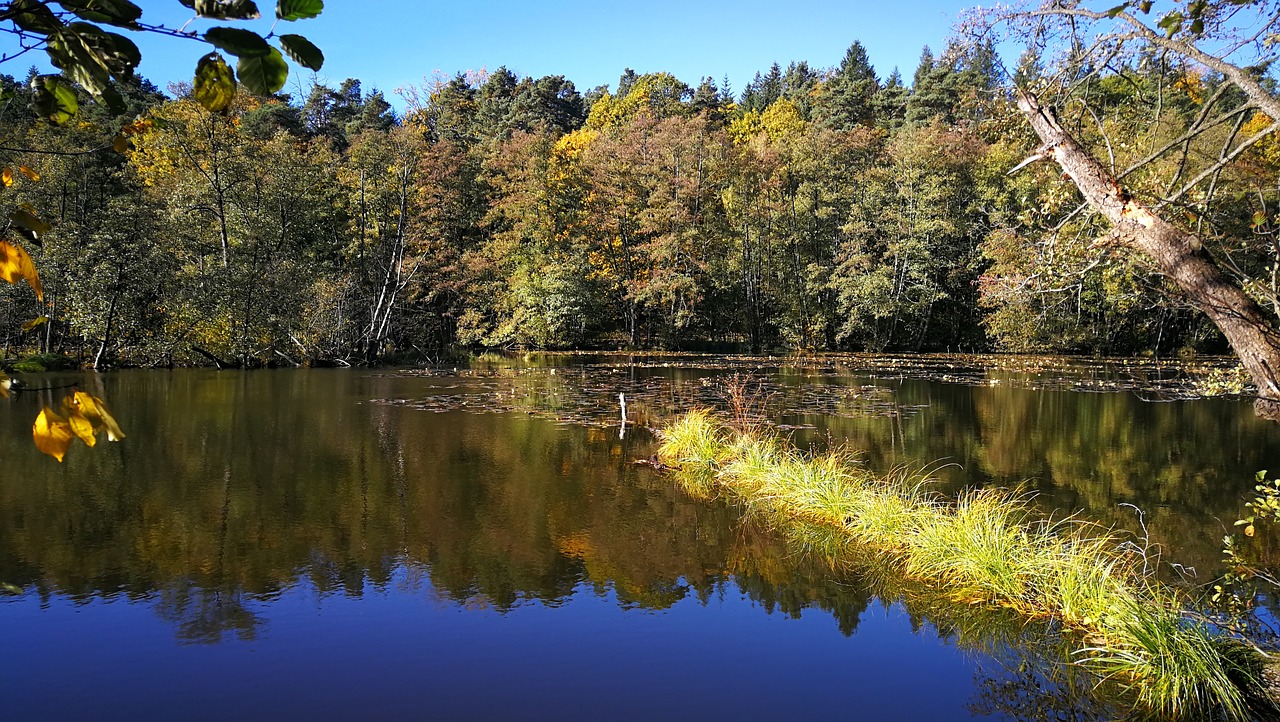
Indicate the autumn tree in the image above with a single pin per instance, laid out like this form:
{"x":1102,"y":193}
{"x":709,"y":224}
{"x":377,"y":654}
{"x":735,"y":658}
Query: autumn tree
{"x":1164,"y":219}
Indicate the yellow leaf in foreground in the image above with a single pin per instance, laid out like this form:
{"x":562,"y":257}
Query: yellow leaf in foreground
{"x":6,"y":176}
{"x":29,"y":172}
{"x":79,"y":424}
{"x":95,"y":410}
{"x":34,"y":323}
{"x":5,"y":383}
{"x":16,"y":264}
{"x":52,"y":434}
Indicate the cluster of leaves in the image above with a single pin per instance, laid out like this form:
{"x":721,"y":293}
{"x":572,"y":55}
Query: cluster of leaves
{"x":96,"y":59}
{"x":1236,"y":592}
{"x":83,"y":417}
{"x":1188,"y":17}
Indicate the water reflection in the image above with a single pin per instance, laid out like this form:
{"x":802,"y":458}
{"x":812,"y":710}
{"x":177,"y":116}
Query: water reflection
{"x":235,"y":489}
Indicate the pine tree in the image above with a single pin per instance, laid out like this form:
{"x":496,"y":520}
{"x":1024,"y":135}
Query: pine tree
{"x":847,"y":95}
{"x":889,"y":104}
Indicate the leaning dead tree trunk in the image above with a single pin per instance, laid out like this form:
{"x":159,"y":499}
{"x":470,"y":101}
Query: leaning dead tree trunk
{"x":1175,"y":253}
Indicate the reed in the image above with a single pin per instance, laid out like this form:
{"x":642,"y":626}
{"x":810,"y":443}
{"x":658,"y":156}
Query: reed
{"x":987,"y":546}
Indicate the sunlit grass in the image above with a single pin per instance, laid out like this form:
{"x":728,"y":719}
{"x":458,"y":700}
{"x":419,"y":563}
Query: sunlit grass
{"x":986,"y":547}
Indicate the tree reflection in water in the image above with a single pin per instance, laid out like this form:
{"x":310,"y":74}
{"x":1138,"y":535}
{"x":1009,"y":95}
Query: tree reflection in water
{"x":234,"y":488}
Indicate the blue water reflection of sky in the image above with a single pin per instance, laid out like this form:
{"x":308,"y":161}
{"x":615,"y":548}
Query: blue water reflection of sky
{"x":401,"y":653}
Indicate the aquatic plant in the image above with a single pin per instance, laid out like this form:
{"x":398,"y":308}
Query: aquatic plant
{"x":984,"y":547}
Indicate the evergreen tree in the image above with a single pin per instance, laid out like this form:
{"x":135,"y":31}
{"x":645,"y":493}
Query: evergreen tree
{"x":798,"y":84}
{"x":493,"y":104}
{"x":848,"y":95}
{"x":628,"y":79}
{"x":763,"y":90}
{"x":933,"y":92}
{"x":889,"y":104}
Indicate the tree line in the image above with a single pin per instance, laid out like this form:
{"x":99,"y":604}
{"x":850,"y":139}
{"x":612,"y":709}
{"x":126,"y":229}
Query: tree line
{"x":817,"y":209}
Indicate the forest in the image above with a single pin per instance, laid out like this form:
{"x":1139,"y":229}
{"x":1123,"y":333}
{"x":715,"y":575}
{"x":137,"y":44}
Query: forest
{"x":816,"y":209}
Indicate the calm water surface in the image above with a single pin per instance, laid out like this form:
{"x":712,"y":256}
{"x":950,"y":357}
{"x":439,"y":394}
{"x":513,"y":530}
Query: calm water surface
{"x":480,"y":545}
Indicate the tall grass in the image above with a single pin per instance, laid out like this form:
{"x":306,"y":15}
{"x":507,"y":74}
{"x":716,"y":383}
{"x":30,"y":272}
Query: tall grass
{"x":984,"y":547}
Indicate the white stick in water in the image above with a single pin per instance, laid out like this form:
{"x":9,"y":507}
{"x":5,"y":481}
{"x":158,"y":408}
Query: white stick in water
{"x":622,"y":401}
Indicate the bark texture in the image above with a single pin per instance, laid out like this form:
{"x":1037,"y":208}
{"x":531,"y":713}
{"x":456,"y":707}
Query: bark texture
{"x":1175,"y":253}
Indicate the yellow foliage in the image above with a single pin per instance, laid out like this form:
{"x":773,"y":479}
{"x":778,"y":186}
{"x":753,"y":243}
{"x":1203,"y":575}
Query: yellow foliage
{"x":572,"y":145}
{"x":6,"y":176}
{"x":95,"y":410}
{"x":746,"y":127}
{"x":782,"y":120}
{"x":29,"y":173}
{"x":651,"y":93}
{"x":1191,"y":84}
{"x":85,"y":417}
{"x":1267,"y":149}
{"x":604,"y":112}
{"x":5,"y":383}
{"x":76,"y":421}
{"x":52,"y":434}
{"x":16,"y":264}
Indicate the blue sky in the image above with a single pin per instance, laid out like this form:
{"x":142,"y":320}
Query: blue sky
{"x":391,"y":43}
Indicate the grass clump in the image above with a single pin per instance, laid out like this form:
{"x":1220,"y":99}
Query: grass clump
{"x":987,"y":546}
{"x":42,"y":362}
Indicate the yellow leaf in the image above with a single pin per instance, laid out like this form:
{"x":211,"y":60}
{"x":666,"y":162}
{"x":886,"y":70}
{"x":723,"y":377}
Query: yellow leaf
{"x":52,"y":434}
{"x":120,"y":144}
{"x":5,"y":383}
{"x":16,"y":264}
{"x":1248,"y":531}
{"x":34,"y":323}
{"x":6,"y":176}
{"x":77,"y":422}
{"x":29,"y":172}
{"x":95,"y":410}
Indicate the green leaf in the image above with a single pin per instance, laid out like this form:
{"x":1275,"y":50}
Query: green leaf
{"x":1171,"y":23}
{"x":121,"y":13}
{"x":33,"y":17}
{"x":238,"y":42}
{"x":226,"y":9}
{"x":70,"y":51}
{"x":215,"y":84}
{"x":298,"y":9}
{"x":302,"y":51}
{"x":54,"y":100}
{"x":263,"y":74}
{"x":1115,"y":11}
{"x":116,"y":51}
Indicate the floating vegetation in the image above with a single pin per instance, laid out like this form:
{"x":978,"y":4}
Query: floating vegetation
{"x":581,"y":388}
{"x":985,"y":547}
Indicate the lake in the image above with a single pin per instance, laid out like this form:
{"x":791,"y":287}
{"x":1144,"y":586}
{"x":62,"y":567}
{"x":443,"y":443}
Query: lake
{"x":480,"y":543}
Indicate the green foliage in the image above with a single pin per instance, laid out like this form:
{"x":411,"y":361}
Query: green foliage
{"x":263,"y":74}
{"x":302,"y":51}
{"x":41,"y":362}
{"x":99,"y":61}
{"x":825,"y":211}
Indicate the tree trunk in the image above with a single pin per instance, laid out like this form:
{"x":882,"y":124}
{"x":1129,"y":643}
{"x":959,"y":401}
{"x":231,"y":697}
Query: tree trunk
{"x":1175,"y":253}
